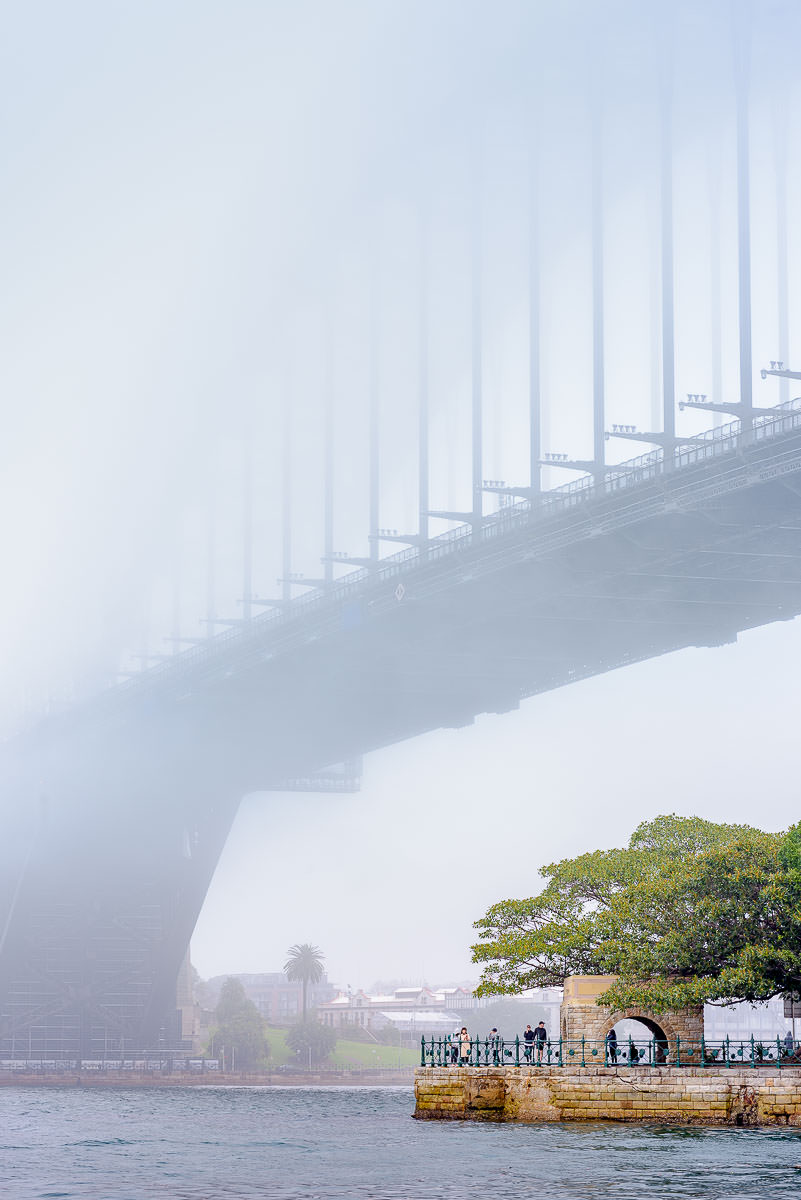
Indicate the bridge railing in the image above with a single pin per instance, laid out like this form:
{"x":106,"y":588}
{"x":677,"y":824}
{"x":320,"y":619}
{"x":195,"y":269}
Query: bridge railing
{"x":49,"y":1062}
{"x":629,"y":1052}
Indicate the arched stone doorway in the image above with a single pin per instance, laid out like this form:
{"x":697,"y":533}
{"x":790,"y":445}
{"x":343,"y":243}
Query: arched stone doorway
{"x":581,"y":1017}
{"x":639,"y":1041}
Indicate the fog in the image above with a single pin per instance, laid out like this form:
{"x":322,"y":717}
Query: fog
{"x":221,"y":219}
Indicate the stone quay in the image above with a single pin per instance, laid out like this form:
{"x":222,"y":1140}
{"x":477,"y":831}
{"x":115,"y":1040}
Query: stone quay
{"x":658,"y":1095}
{"x":665,"y":1092}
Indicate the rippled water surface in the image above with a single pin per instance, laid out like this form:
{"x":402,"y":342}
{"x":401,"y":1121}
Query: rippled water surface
{"x":220,"y":1143}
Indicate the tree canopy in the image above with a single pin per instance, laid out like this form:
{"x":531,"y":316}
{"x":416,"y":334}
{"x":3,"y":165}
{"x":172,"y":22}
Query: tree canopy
{"x":240,"y":1029}
{"x":308,"y":1036}
{"x":304,"y":965}
{"x":690,"y":911}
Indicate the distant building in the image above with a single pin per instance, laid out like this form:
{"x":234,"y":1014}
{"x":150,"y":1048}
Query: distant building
{"x":548,"y":998}
{"x":409,"y":1009}
{"x":740,"y":1022}
{"x":279,"y":1001}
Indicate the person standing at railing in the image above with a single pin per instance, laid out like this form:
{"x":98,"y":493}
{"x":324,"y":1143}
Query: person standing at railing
{"x":454,"y":1046}
{"x":528,"y":1039}
{"x":634,"y":1055}
{"x":611,"y":1047}
{"x":540,"y":1038}
{"x":464,"y":1047}
{"x":495,"y":1046}
{"x":789,"y":1045}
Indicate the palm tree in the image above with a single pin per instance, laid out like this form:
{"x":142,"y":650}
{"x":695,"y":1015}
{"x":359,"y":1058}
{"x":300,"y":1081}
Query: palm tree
{"x":304,"y":966}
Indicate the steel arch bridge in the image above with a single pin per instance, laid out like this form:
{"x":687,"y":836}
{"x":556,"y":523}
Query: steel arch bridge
{"x":116,"y":810}
{"x":121,"y":807}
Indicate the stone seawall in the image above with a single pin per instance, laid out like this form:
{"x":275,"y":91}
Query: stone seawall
{"x":674,"y":1095}
{"x":154,"y":1079}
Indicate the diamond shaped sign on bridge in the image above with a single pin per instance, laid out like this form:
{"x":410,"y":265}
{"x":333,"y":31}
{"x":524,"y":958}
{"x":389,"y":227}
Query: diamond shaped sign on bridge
{"x":400,"y":592}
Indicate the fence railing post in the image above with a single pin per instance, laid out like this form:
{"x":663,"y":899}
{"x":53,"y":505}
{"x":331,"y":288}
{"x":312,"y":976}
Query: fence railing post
{"x":583,"y":1063}
{"x":517,"y":1050}
{"x":423,"y":1051}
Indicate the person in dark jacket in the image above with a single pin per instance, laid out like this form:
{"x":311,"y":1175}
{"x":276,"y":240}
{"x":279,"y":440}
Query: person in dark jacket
{"x":611,"y":1047}
{"x":540,"y":1037}
{"x":495,"y":1046}
{"x":528,"y":1043}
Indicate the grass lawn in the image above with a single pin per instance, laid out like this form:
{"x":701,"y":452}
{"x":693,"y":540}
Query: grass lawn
{"x":346,"y":1054}
{"x":362,"y":1054}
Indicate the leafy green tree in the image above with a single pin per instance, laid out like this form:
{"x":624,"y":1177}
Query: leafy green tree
{"x":239,"y":1028}
{"x":304,"y":965}
{"x":690,"y":911}
{"x":311,"y":1036}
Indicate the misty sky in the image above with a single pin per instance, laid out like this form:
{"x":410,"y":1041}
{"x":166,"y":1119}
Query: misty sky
{"x":212,"y":214}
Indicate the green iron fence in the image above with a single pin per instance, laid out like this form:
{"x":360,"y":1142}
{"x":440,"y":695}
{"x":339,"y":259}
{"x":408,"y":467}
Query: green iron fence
{"x":629,"y":1052}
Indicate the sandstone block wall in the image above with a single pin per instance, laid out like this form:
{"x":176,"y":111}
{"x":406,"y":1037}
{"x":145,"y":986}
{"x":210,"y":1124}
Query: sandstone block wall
{"x":676,"y":1095}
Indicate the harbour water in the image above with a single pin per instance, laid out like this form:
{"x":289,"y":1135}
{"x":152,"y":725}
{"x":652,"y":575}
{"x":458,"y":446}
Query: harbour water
{"x":221,"y":1143}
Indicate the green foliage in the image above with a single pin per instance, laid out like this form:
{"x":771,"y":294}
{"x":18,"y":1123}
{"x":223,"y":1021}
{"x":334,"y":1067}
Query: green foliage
{"x":690,"y":911}
{"x":240,"y":1029}
{"x":347,"y":1053}
{"x":311,"y":1035}
{"x":304,"y":965}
